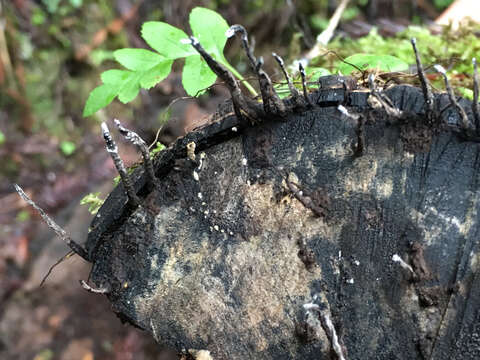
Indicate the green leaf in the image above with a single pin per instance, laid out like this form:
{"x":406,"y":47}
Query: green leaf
{"x":158,"y":147}
{"x":370,"y":61}
{"x":2,"y":137}
{"x":209,"y":28}
{"x":115,"y":77}
{"x":93,"y":201}
{"x":466,"y":93}
{"x":23,"y":216}
{"x":76,"y":3}
{"x":138,"y":59}
{"x":167,"y":40}
{"x":67,"y":147}
{"x":316,"y":72}
{"x":100,"y":97}
{"x":156,"y":74}
{"x":130,"y":88}
{"x":52,"y":5}
{"x":196,"y":75}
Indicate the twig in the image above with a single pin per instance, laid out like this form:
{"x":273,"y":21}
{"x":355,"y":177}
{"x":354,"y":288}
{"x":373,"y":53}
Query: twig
{"x":113,"y":151}
{"x":383,"y":100}
{"x":92,"y":289}
{"x":62,"y":234}
{"x":326,"y":35}
{"x":136,"y":140}
{"x":58,"y":262}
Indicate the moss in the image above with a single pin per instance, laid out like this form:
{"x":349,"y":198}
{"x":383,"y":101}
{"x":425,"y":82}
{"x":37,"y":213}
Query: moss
{"x":452,"y":49}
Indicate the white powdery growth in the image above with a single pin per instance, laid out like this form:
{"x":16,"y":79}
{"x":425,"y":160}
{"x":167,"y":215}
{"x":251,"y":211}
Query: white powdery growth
{"x":343,"y":110}
{"x":440,"y":69}
{"x":194,"y":40}
{"x":106,"y":132}
{"x":230,"y":32}
{"x":402,"y":263}
{"x":297,"y":63}
{"x":335,"y":343}
{"x":310,"y":306}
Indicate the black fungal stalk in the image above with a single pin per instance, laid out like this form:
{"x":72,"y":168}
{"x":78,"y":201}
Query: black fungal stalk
{"x":427,"y":90}
{"x":244,"y":107}
{"x":119,"y":165}
{"x":475,"y":109}
{"x":360,"y":148}
{"x":136,"y":140}
{"x":383,"y":100}
{"x":272,"y":103}
{"x":62,"y":234}
{"x":293,"y":90}
{"x":451,"y":97}
{"x":304,"y":84}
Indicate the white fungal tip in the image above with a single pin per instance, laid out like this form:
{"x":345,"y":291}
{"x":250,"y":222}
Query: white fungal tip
{"x":194,"y":40}
{"x":195,"y":176}
{"x":244,"y":162}
{"x":105,"y":128}
{"x":474,"y":61}
{"x":234,"y":129}
{"x":414,"y":41}
{"x":279,"y":59}
{"x":230,"y":32}
{"x":185,"y":41}
{"x":343,"y":110}
{"x":350,"y":281}
{"x":310,"y":306}
{"x":357,"y":263}
{"x":440,"y":69}
{"x":200,"y":196}
{"x":396,"y":258}
{"x":116,"y":122}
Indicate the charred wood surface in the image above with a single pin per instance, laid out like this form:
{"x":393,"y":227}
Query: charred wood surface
{"x":286,"y":227}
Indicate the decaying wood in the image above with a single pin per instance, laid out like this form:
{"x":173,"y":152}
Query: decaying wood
{"x":217,"y":264}
{"x":347,"y":230}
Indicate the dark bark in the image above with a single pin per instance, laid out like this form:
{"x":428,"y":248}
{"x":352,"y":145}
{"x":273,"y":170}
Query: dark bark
{"x":288,"y":213}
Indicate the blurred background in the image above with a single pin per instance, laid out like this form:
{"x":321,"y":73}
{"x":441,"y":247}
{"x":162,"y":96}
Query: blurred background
{"x":51,"y":55}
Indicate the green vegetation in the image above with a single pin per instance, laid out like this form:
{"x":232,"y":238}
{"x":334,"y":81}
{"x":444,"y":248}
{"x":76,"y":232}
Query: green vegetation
{"x":158,"y":147}
{"x":145,"y":68}
{"x":67,"y":147}
{"x":452,"y":49}
{"x":93,"y":202}
{"x":369,"y":61}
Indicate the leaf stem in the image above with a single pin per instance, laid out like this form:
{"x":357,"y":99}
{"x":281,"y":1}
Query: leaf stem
{"x":240,"y":77}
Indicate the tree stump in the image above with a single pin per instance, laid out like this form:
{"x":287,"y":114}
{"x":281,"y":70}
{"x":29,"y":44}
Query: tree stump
{"x":284,"y":240}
